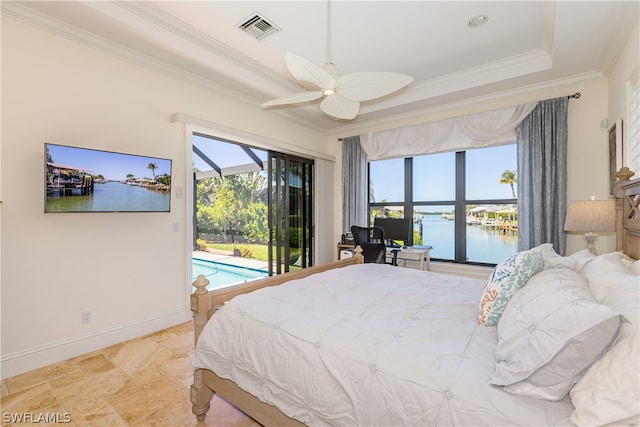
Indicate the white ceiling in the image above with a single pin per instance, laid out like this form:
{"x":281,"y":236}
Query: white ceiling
{"x":535,"y":44}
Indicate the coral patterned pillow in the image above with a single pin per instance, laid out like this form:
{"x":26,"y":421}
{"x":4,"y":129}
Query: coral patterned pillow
{"x":506,"y":278}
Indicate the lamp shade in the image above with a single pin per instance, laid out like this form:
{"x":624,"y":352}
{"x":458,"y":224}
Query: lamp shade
{"x":591,"y":216}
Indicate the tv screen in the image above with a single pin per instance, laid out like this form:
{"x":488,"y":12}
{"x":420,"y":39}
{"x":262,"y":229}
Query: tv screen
{"x":88,"y":180}
{"x":395,"y":228}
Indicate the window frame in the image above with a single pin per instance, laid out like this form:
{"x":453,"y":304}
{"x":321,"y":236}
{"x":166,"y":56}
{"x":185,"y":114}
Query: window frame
{"x":459,"y":204}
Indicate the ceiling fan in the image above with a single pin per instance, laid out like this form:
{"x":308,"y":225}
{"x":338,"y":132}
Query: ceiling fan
{"x":342,"y":92}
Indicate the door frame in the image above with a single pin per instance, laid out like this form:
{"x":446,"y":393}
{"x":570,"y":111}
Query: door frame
{"x":324,"y":246}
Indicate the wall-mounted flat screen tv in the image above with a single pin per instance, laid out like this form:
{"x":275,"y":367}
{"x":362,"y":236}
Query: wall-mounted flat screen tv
{"x":88,"y":180}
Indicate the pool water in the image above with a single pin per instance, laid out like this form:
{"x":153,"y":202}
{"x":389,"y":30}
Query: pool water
{"x":220,"y":274}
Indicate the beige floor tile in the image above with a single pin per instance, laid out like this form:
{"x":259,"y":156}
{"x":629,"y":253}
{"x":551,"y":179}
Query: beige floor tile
{"x":93,"y":389}
{"x":179,"y":344}
{"x":178,"y":367}
{"x":111,"y":351}
{"x":95,"y":364}
{"x":36,"y":399}
{"x":142,"y":400}
{"x":38,"y":376}
{"x":142,"y":382}
{"x":140,"y":354}
{"x":159,"y":418}
{"x":99,"y":413}
{"x":73,"y":377}
{"x":222,"y":414}
{"x":53,"y":416}
{"x":151,"y":373}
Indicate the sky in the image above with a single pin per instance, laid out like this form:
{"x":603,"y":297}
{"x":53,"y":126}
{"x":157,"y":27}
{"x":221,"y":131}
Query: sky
{"x":113,"y":166}
{"x":434,"y":175}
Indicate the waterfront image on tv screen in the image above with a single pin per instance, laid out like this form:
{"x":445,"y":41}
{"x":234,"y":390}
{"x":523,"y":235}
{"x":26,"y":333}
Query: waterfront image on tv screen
{"x":87,"y":180}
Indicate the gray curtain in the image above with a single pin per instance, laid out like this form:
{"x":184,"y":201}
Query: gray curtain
{"x":354,"y":184}
{"x":542,"y":175}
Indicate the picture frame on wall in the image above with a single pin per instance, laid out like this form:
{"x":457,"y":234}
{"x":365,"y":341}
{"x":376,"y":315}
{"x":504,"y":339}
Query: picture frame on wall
{"x":616,"y":150}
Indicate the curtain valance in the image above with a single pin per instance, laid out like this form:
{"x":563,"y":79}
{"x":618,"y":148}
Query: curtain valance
{"x":454,"y":134}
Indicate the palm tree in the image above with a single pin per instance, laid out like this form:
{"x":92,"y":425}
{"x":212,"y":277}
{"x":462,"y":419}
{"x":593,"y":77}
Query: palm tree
{"x":509,"y":177}
{"x":153,"y":168}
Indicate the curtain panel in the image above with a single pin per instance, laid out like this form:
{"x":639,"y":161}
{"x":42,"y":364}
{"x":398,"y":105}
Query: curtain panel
{"x":542,"y":175}
{"x":354,"y":184}
{"x":454,"y":134}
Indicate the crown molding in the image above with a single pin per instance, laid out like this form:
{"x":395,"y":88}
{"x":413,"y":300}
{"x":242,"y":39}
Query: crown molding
{"x":421,"y":115}
{"x":503,"y":69}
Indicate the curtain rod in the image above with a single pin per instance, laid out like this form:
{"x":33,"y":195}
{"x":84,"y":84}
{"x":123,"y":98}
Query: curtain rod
{"x":574,"y":96}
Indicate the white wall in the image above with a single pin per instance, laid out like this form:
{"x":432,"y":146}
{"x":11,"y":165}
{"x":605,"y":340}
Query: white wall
{"x":626,"y":70}
{"x":129,"y":269}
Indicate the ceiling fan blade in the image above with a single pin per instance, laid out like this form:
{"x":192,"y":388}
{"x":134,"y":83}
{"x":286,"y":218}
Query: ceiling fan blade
{"x":294,"y":99}
{"x":363,"y":86}
{"x":306,"y":71}
{"x":340,"y":107}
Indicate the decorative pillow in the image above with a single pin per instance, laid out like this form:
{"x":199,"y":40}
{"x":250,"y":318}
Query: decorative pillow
{"x":609,"y":392}
{"x":550,"y":332}
{"x":506,"y":278}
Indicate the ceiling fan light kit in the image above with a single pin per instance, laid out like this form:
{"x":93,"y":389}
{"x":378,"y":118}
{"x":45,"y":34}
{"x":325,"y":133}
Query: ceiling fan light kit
{"x":342,"y":93}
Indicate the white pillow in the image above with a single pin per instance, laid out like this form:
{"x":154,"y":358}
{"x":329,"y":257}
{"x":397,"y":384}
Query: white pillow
{"x":552,"y":259}
{"x":506,"y":278}
{"x":549,"y":333}
{"x":609,"y":392}
{"x":605,"y":275}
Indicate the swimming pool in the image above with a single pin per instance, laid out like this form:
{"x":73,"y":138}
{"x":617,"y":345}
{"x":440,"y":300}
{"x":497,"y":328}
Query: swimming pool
{"x":220,"y":274}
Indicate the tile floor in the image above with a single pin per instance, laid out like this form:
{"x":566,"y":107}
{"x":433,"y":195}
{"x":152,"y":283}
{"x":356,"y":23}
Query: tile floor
{"x":141,"y":382}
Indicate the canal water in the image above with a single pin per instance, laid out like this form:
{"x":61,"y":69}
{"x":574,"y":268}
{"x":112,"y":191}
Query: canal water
{"x":112,"y":197}
{"x":484,"y":245}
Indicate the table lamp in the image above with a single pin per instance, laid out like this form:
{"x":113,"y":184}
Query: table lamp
{"x":591,"y":216}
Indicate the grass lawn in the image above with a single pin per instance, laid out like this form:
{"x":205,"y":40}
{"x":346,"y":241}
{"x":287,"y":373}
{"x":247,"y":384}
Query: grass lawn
{"x":259,"y":252}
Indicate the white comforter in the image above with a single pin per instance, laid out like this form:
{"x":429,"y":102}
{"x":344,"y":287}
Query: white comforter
{"x":369,"y":345}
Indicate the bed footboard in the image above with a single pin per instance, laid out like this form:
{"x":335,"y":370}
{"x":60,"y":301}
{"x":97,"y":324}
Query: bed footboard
{"x":201,"y":395}
{"x":204,"y":304}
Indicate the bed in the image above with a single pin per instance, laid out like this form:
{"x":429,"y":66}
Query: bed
{"x":365,"y":344}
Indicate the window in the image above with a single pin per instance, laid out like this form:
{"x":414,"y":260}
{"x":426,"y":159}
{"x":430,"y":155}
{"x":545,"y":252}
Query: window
{"x":386,"y":181}
{"x":482,"y":183}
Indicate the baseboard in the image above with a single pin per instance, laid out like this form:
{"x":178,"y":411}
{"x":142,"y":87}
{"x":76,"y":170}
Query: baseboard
{"x":37,"y":357}
{"x":472,"y":271}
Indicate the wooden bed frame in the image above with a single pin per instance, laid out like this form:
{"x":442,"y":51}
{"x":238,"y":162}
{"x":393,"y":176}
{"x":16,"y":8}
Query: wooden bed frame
{"x":628,"y":214}
{"x":204,"y":304}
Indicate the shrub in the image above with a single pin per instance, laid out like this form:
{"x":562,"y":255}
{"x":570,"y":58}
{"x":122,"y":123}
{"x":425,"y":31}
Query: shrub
{"x":201,"y":244}
{"x":245,"y":252}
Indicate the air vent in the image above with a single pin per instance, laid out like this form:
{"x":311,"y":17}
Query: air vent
{"x":258,"y":26}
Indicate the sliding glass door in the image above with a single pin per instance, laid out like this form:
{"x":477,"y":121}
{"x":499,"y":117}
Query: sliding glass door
{"x":290,"y":213}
